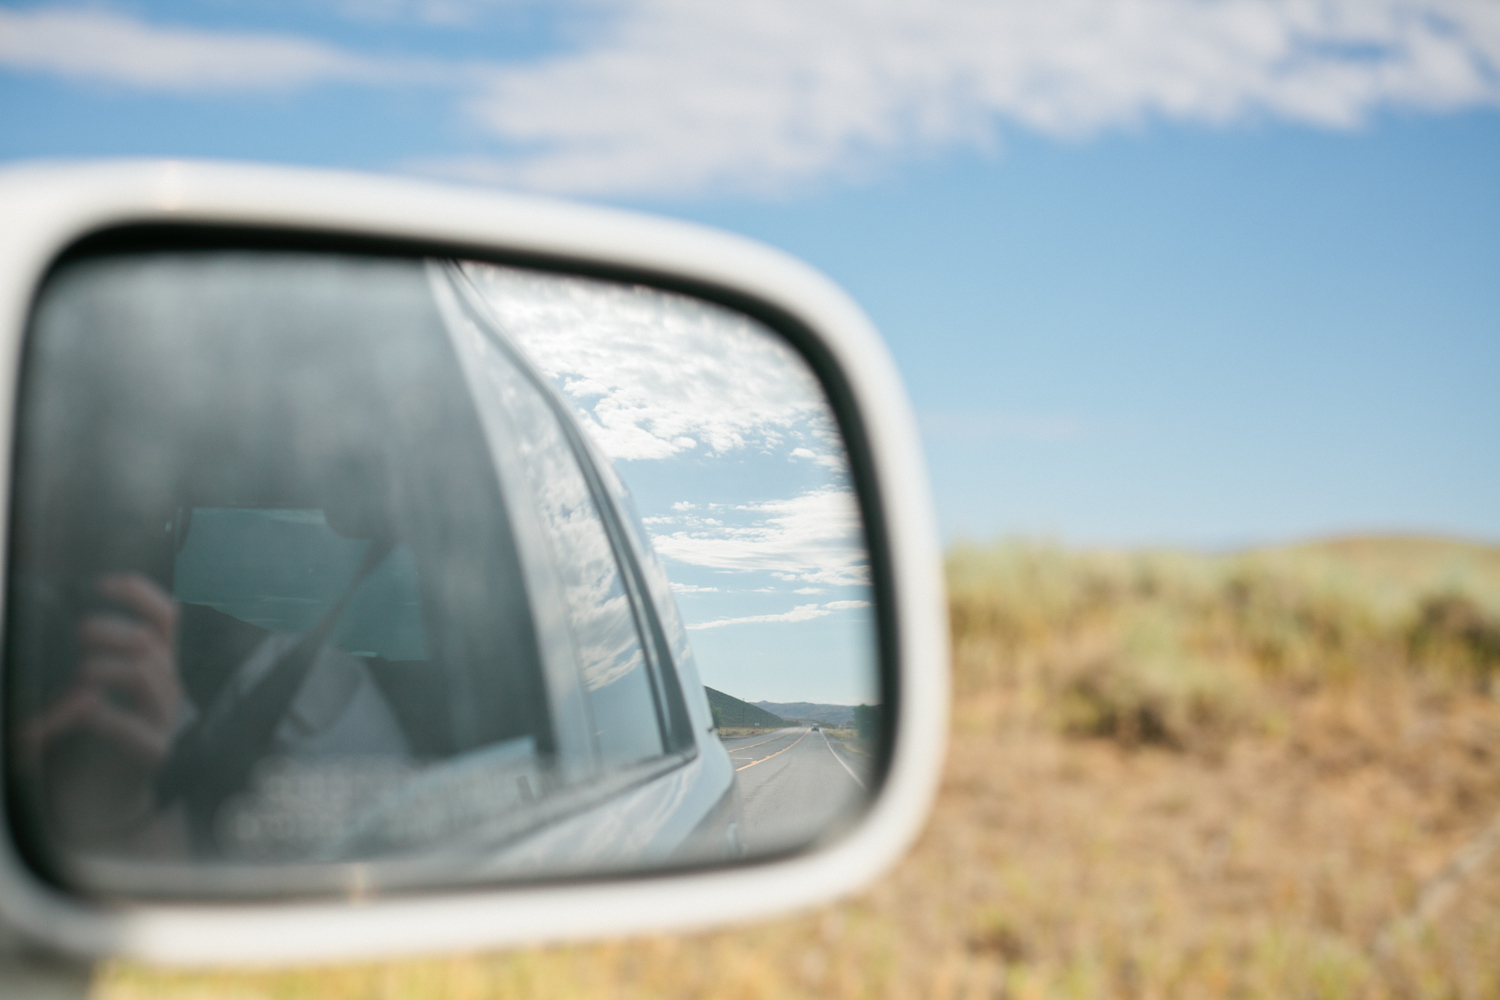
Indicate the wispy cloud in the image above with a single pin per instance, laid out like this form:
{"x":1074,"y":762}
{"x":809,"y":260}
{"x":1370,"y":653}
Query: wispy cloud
{"x":815,"y":538}
{"x":833,"y":461}
{"x":691,"y":588}
{"x":655,"y":375}
{"x":451,"y":13}
{"x":801,"y":613}
{"x":101,"y":46}
{"x":674,"y":96}
{"x":686,"y":95}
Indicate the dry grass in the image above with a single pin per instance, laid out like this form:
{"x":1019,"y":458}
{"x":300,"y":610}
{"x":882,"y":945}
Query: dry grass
{"x":1171,"y":776}
{"x":735,"y":732}
{"x":852,"y":743}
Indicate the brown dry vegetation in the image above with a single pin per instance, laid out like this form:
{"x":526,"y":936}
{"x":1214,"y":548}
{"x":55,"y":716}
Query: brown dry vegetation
{"x":1273,"y":774}
{"x":735,"y":732}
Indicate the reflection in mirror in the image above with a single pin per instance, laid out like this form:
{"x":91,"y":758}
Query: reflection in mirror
{"x":343,"y":574}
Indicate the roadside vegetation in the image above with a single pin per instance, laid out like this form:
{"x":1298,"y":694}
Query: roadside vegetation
{"x":736,"y":732}
{"x":1259,"y":775}
{"x":853,"y":742}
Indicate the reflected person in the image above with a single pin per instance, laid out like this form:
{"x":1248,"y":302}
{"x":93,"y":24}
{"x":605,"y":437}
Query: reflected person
{"x":132,"y":766}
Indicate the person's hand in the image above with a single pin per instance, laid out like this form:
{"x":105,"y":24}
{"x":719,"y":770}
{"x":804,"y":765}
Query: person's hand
{"x":127,"y":687}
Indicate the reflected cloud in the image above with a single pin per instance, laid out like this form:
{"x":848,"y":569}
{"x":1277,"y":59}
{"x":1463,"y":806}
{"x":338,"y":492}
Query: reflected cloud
{"x":655,"y":375}
{"x":801,"y":613}
{"x":706,"y":413}
{"x":814,"y":538}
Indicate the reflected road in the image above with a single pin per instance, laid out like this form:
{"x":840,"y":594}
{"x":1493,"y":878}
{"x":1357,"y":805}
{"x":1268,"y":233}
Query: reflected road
{"x":794,"y":784}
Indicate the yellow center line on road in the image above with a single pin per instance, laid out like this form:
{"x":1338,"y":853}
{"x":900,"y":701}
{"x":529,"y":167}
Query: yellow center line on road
{"x":778,"y":753}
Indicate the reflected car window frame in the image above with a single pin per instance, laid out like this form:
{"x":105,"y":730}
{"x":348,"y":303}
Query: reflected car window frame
{"x":672,"y":714}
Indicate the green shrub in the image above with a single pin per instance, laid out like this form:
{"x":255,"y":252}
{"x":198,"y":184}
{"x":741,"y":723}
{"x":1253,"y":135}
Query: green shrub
{"x":1450,"y":630}
{"x":1153,"y":688}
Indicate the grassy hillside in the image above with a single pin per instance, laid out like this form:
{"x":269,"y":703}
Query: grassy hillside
{"x":1189,"y":650}
{"x":1251,"y":775}
{"x":1409,"y":563}
{"x":730,"y":712}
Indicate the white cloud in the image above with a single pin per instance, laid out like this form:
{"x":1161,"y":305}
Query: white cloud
{"x":683,"y":95}
{"x":814,"y":538}
{"x":655,"y":374}
{"x":801,"y":613}
{"x":808,"y":590}
{"x":691,"y":588}
{"x":438,"y":12}
{"x":101,"y":46}
{"x":672,"y":96}
{"x":834,"y":461}
{"x":480,"y":15}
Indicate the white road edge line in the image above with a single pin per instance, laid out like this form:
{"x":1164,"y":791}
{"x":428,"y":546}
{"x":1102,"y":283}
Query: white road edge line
{"x":836,"y":757}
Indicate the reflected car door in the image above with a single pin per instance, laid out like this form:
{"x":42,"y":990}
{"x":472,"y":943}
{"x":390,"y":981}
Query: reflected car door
{"x":649,"y":779}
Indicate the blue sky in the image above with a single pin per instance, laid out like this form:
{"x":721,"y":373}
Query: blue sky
{"x":1172,"y":272}
{"x":1189,"y":336}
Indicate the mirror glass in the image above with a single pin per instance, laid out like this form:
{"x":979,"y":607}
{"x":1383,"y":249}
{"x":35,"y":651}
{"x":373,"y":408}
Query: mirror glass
{"x":344,"y":574}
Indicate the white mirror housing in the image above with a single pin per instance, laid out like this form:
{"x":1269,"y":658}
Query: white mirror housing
{"x":50,"y":208}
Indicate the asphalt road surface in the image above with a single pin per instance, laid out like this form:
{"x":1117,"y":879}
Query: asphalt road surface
{"x":794,"y":785}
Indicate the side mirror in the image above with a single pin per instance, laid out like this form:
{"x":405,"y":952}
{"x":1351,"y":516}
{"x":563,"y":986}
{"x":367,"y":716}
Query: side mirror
{"x":397,"y":568}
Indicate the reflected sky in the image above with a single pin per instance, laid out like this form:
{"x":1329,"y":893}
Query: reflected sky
{"x":728,"y":445}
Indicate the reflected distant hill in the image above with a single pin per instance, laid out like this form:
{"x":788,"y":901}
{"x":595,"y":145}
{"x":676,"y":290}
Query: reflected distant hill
{"x":809,"y":711}
{"x":729,"y":711}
